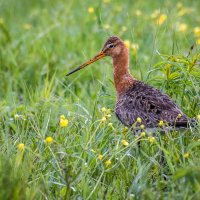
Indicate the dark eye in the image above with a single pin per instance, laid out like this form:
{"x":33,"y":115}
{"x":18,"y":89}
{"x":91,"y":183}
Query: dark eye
{"x":111,"y":46}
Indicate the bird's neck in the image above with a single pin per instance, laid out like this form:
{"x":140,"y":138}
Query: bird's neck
{"x":122,"y":77}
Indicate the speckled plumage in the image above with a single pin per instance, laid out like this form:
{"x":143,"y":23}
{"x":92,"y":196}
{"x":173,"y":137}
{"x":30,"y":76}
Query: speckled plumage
{"x":148,"y":103}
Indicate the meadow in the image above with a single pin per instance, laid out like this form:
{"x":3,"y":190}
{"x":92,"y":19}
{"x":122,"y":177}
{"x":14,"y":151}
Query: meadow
{"x":59,"y":137}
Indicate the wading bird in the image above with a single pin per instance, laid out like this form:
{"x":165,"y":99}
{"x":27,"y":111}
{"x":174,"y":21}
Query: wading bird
{"x":135,"y":99}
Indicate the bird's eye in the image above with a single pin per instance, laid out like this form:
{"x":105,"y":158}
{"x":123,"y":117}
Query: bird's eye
{"x":111,"y":46}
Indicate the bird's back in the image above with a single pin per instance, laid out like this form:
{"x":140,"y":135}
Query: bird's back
{"x":149,"y":104}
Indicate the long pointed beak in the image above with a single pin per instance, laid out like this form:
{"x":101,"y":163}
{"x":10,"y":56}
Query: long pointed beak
{"x":100,"y":55}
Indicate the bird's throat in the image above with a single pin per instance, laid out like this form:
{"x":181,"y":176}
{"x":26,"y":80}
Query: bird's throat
{"x":122,"y":77}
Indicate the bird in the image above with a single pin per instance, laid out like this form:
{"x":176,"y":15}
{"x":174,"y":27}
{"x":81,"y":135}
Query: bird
{"x":137,"y":102}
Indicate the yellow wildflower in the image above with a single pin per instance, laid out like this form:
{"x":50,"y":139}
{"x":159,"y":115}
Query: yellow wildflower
{"x":108,"y":111}
{"x":151,"y":139}
{"x":49,"y":140}
{"x":143,"y":134}
{"x":110,"y":124}
{"x":103,"y":119}
{"x":198,"y":41}
{"x":138,"y":13}
{"x":161,"y":123}
{"x":20,"y":147}
{"x":16,"y":116}
{"x":62,"y":116}
{"x":198,"y":118}
{"x":100,"y":157}
{"x":63,"y":121}
{"x":103,"y":109}
{"x":139,"y":120}
{"x":196,"y":31}
{"x":109,"y":115}
{"x":125,"y":143}
{"x":161,"y":19}
{"x":27,"y":26}
{"x":108,"y":163}
{"x":125,"y":129}
{"x":186,"y":155}
{"x":179,"y":115}
{"x":106,"y":26}
{"x":142,"y":126}
{"x":127,"y":44}
{"x":182,"y":27}
{"x":124,"y":28}
{"x":91,"y":10}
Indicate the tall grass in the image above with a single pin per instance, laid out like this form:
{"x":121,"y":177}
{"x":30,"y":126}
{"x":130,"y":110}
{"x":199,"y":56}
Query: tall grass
{"x":40,"y":41}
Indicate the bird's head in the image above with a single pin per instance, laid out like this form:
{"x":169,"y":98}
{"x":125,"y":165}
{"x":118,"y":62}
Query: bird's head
{"x":112,"y":47}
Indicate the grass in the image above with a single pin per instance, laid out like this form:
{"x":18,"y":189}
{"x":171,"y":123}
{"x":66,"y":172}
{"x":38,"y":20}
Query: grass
{"x":40,"y":41}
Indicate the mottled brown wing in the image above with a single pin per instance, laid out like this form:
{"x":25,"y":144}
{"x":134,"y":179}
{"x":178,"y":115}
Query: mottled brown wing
{"x":151,"y":105}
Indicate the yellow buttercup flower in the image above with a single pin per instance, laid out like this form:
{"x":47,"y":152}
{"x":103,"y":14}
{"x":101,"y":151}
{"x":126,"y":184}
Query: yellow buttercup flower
{"x":139,"y":120}
{"x":100,"y":156}
{"x":125,"y":143}
{"x":103,"y":119}
{"x":138,"y":13}
{"x":49,"y":140}
{"x":103,"y":109}
{"x":108,"y":163}
{"x":151,"y":139}
{"x":182,"y":27}
{"x":179,"y":115}
{"x":127,"y":43}
{"x":198,"y":41}
{"x":198,"y":118}
{"x":124,"y":28}
{"x":63,"y":121}
{"x":20,"y":147}
{"x":196,"y":31}
{"x":108,"y":116}
{"x":62,"y":116}
{"x":161,"y":123}
{"x":110,"y":124}
{"x":108,"y":111}
{"x":143,"y":134}
{"x":106,"y":26}
{"x":186,"y":155}
{"x":125,"y":129}
{"x":142,"y":126}
{"x":91,"y":10}
{"x":161,"y":19}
